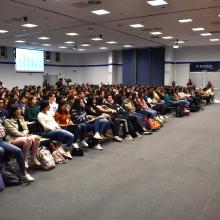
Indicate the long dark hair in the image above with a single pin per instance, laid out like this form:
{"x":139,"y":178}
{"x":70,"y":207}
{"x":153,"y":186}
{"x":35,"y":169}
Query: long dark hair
{"x":12,"y":110}
{"x":61,"y":104}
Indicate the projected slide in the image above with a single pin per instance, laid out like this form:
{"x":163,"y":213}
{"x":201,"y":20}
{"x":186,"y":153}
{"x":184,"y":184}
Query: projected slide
{"x":29,"y":60}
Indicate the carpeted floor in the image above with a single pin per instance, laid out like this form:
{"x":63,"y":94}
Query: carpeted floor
{"x":172,"y":175}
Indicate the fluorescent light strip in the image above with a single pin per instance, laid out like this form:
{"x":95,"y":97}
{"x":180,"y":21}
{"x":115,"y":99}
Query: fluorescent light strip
{"x":96,"y":39}
{"x":85,"y":45}
{"x":214,"y":40}
{"x":205,"y":34}
{"x":43,"y":38}
{"x":20,"y":41}
{"x":3,"y":31}
{"x":46,"y":45}
{"x":185,"y":20}
{"x":72,"y":34}
{"x":155,"y":33}
{"x":157,"y":2}
{"x":81,"y":49}
{"x":181,"y":42}
{"x":198,"y":29}
{"x":127,"y":45}
{"x":136,"y":25}
{"x":103,"y":48}
{"x":167,"y":37}
{"x":29,"y":25}
{"x":62,"y":47}
{"x":111,"y":42}
{"x":101,"y":12}
{"x":69,"y":42}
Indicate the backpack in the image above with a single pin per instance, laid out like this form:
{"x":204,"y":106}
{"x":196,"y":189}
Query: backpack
{"x":194,"y":107}
{"x":11,"y":176}
{"x":2,"y":185}
{"x":179,"y":112}
{"x":77,"y":152}
{"x":154,"y":125}
{"x":46,"y":159}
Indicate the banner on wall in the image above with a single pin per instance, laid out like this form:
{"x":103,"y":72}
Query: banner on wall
{"x":205,"y":67}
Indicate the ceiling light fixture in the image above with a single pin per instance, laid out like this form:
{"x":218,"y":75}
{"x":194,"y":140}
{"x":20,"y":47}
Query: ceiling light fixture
{"x":3,"y":31}
{"x":205,"y":34}
{"x":167,"y":37}
{"x":156,"y":33}
{"x":157,"y":2}
{"x":136,"y":25}
{"x":20,"y":41}
{"x":85,"y":45}
{"x":46,"y":45}
{"x":72,"y":34}
{"x":96,"y":39}
{"x":213,"y":40}
{"x":81,"y":49}
{"x":69,"y":42}
{"x":127,"y":45}
{"x":198,"y":29}
{"x":111,"y":42}
{"x":29,"y":25}
{"x":185,"y":20}
{"x":62,"y":47}
{"x":43,"y":38}
{"x":101,"y":12}
{"x":181,"y":42}
{"x":103,"y":48}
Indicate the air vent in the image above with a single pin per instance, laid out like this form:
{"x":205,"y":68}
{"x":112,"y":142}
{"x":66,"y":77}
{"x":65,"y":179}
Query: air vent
{"x":81,"y":4}
{"x":215,"y":22}
{"x":215,"y":32}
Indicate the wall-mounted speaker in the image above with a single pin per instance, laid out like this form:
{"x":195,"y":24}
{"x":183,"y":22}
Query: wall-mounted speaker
{"x":3,"y":52}
{"x":48,"y":56}
{"x":57,"y":57}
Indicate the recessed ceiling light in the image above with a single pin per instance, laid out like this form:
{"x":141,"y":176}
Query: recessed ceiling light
{"x":111,"y":42}
{"x":103,"y":48}
{"x":127,"y":45}
{"x":136,"y":25}
{"x":85,"y":45}
{"x":101,"y":12}
{"x":181,"y":42}
{"x":176,"y":46}
{"x":155,"y":33}
{"x":96,"y":38}
{"x":3,"y":31}
{"x":29,"y":25}
{"x":20,"y":41}
{"x":214,"y":39}
{"x":206,"y":34}
{"x":46,"y":45}
{"x":157,"y":2}
{"x":43,"y":38}
{"x":198,"y":29}
{"x":62,"y":47}
{"x":72,"y":34}
{"x":185,"y":20}
{"x":167,"y":37}
{"x":81,"y":49}
{"x":69,"y":42}
{"x":219,"y":15}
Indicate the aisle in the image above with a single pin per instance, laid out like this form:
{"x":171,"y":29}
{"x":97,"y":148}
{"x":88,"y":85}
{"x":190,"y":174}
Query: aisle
{"x":171,"y":175}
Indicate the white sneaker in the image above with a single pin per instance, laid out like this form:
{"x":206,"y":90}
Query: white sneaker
{"x":29,"y":177}
{"x":98,"y":147}
{"x":129,"y":138}
{"x":75,"y":145}
{"x":84,"y":143}
{"x":26,"y":164}
{"x":68,"y":155}
{"x":139,"y":135}
{"x":117,"y":138}
{"x":98,"y":136}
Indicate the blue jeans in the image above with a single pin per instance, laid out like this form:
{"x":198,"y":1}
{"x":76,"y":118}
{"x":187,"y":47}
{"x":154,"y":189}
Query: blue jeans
{"x":152,"y":112}
{"x":63,"y":136}
{"x":16,"y":151}
{"x":100,"y":125}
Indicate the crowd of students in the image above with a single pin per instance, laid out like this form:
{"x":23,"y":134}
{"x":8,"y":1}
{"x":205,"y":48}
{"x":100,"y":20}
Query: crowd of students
{"x":67,"y":114}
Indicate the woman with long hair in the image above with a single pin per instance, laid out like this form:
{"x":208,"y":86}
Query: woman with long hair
{"x":17,"y":133}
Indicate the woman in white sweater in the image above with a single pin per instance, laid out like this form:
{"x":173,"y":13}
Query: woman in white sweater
{"x":53,"y":130}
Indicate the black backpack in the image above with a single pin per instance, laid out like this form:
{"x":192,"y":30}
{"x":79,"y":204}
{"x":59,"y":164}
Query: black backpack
{"x":194,"y":107}
{"x":77,"y":152}
{"x":11,"y":177}
{"x":179,"y":112}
